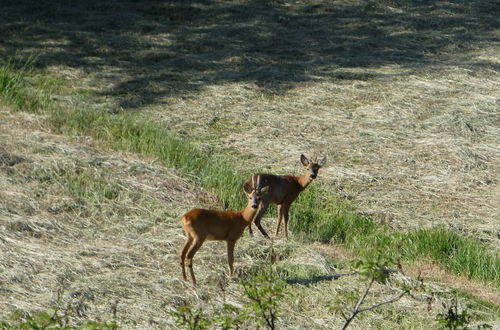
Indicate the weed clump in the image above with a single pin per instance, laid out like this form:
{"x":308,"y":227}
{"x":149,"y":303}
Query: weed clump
{"x":264,"y":292}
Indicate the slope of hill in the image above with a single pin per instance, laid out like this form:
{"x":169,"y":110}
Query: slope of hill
{"x":95,"y":234}
{"x":401,"y":96}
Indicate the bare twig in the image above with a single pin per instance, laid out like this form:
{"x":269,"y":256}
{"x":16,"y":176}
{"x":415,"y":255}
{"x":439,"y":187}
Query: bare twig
{"x":393,"y":299}
{"x":358,"y":303}
{"x":358,"y":309}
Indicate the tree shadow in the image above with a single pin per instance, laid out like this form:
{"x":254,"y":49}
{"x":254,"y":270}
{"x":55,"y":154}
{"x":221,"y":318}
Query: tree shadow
{"x":313,"y":280}
{"x":148,"y":51}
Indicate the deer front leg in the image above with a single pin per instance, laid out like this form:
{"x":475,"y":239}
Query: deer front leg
{"x":258,"y":217}
{"x":250,"y":231}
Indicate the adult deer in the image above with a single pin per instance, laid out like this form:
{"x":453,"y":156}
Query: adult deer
{"x":202,"y":224}
{"x":283,"y":190}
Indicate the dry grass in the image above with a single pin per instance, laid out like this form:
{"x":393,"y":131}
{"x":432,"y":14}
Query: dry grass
{"x":96,"y":253}
{"x":432,"y":272}
{"x":402,"y":98}
{"x":403,"y":170}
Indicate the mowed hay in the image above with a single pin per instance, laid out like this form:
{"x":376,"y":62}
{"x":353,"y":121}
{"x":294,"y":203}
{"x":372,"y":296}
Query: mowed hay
{"x":401,"y":169}
{"x":97,"y":233}
{"x":400,"y":96}
{"x":71,"y":244}
{"x":68,"y":243}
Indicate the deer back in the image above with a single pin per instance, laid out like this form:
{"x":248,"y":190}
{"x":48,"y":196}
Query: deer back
{"x":282,"y":188}
{"x":213,"y":224}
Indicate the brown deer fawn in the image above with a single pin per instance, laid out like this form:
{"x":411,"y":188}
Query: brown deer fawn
{"x":283,"y":190}
{"x":202,"y":224}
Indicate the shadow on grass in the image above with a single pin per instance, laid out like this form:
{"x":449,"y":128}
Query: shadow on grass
{"x":315,"y":279}
{"x":151,"y":50}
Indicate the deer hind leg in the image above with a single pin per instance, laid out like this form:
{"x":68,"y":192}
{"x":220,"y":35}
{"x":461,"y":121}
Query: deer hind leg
{"x":188,"y":243}
{"x":195,"y":246}
{"x":230,"y":255}
{"x":286,"y":208}
{"x":280,"y":218}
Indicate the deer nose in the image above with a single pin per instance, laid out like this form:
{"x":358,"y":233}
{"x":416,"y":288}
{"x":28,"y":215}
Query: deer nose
{"x":254,"y":205}
{"x":313,"y":176}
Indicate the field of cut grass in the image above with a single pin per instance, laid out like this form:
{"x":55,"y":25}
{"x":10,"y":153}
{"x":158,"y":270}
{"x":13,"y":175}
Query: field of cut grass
{"x":401,"y":99}
{"x":335,"y":221}
{"x":94,"y":234}
{"x":319,"y":214}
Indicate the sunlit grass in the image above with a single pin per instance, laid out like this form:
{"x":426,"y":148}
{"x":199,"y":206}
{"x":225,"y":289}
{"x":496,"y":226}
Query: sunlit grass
{"x":317,"y":215}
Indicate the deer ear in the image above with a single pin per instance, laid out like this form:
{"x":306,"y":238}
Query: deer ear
{"x":322,"y":162}
{"x":304,"y":160}
{"x":247,"y":188}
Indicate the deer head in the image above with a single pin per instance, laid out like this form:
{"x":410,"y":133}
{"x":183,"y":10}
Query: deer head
{"x":312,"y":166}
{"x":256,"y":190}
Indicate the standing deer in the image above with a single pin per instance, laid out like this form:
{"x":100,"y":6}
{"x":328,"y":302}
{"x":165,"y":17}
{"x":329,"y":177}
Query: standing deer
{"x":283,"y":190}
{"x":202,"y":224}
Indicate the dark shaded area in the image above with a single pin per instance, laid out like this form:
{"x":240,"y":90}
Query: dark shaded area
{"x":150,"y":50}
{"x":320,"y":278}
{"x":314,"y":279}
{"x":7,"y":159}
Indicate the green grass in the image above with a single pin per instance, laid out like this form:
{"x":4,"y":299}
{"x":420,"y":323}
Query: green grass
{"x":462,"y":255}
{"x":51,"y":320}
{"x":320,"y":216}
{"x":317,"y":214}
{"x":129,"y":133}
{"x":17,"y":90}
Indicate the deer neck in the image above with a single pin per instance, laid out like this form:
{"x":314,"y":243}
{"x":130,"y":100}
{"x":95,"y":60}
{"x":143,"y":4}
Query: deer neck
{"x":248,"y":213}
{"x":304,"y":180}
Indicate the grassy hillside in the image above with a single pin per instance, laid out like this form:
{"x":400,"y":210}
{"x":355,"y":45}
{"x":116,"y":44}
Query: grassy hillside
{"x":94,"y":235}
{"x":399,"y":96}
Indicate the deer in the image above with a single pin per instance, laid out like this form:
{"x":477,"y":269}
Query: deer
{"x":202,"y":224}
{"x":283,"y":190}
